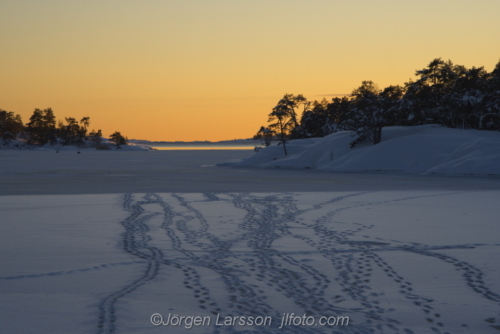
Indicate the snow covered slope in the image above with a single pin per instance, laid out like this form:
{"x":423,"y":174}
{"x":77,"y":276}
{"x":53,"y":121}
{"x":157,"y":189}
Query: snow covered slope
{"x":427,"y":149}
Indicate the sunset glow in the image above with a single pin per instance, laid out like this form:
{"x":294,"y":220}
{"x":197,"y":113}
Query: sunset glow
{"x":213,"y":70}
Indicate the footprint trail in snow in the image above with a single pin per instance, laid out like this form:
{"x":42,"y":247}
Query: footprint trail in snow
{"x":263,"y":255}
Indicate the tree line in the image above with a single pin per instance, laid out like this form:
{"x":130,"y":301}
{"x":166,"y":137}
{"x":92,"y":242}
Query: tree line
{"x":42,"y":128}
{"x":443,"y":93}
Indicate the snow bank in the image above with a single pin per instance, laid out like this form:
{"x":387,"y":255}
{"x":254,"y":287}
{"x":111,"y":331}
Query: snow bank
{"x":13,"y":144}
{"x":426,"y":149}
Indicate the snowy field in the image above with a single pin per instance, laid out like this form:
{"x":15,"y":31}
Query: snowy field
{"x":99,"y":242}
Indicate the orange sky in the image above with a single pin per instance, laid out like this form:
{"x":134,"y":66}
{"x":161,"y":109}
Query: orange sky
{"x":212,"y":69}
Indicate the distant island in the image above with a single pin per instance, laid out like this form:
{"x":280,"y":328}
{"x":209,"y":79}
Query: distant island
{"x":248,"y":141}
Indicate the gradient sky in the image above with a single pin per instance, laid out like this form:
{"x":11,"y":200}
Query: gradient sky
{"x":213,"y":69}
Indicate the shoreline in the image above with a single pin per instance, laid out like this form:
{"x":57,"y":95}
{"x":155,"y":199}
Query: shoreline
{"x":190,"y":171}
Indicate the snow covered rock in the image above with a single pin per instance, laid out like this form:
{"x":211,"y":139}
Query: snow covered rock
{"x":426,"y":149}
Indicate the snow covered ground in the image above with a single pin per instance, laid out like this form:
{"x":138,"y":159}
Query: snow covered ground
{"x":87,"y":146}
{"x":427,"y":149}
{"x":393,"y":261}
{"x":105,"y":172}
{"x":99,"y":242}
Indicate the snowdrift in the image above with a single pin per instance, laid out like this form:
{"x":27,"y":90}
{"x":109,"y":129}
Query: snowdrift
{"x":426,"y":149}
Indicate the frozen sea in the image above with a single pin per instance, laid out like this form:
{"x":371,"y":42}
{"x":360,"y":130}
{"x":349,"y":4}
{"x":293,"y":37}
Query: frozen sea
{"x":130,"y":242}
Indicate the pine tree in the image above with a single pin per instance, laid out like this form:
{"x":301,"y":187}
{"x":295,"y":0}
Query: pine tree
{"x":118,"y":139}
{"x":285,"y":117}
{"x":10,"y":125}
{"x":366,"y":116}
{"x":42,"y":127}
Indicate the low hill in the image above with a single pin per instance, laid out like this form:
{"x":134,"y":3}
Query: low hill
{"x":426,"y":149}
